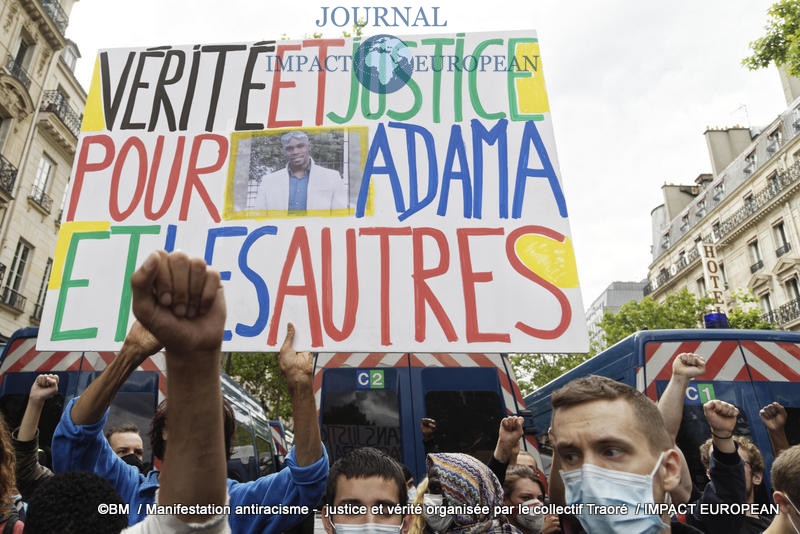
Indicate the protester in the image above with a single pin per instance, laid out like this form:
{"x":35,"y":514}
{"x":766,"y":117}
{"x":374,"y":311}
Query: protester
{"x":753,"y":475}
{"x":522,"y":486}
{"x":70,"y":503}
{"x":470,"y":488}
{"x":194,"y":473}
{"x":30,"y":474}
{"x":508,"y":435}
{"x":365,"y":477}
{"x":774,"y":418}
{"x":79,"y":445}
{"x":611,"y":447}
{"x":786,"y":492}
{"x":9,"y":517}
{"x":126,"y":443}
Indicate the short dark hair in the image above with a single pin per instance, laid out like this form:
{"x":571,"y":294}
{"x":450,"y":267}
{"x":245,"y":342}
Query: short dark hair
{"x":366,"y":462}
{"x":122,"y":429}
{"x":55,"y":508}
{"x":159,"y":423}
{"x":516,"y":473}
{"x":594,"y":388}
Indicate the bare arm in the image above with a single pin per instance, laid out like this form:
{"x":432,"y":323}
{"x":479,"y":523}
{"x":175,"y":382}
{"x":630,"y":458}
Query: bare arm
{"x":685,"y":367}
{"x":508,"y":438}
{"x":721,"y":417}
{"x":194,"y":468}
{"x":139,"y":344}
{"x":44,"y":387}
{"x":774,"y":418}
{"x":297,"y":368}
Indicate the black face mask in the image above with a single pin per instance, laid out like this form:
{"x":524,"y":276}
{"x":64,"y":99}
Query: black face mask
{"x":132,"y":459}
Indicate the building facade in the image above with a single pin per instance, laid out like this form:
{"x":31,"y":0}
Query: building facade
{"x":40,"y":117}
{"x":748,"y":208}
{"x":614,"y":296}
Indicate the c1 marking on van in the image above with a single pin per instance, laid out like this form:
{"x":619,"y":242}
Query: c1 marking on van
{"x":700,"y":393}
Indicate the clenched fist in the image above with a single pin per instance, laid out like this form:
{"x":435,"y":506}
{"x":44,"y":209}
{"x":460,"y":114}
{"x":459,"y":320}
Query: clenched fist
{"x":688,"y":365}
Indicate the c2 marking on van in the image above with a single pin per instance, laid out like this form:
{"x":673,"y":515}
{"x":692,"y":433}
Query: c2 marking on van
{"x":370,"y":379}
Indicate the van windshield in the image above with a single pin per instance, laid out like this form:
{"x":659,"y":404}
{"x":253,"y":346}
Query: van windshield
{"x":363,"y":418}
{"x":466,"y":421}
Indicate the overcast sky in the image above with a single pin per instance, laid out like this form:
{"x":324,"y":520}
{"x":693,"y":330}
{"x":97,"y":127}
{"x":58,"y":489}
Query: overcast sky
{"x":632,"y":87}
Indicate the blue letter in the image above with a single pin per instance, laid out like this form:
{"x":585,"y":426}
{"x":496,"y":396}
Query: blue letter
{"x":523,"y":172}
{"x":414,"y":205}
{"x":456,"y":146}
{"x":261,"y":288}
{"x":496,"y":135}
{"x":380,"y":143}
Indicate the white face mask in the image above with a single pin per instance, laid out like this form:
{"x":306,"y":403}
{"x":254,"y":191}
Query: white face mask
{"x":433,"y":517}
{"x":531,"y":522}
{"x":412,"y":493}
{"x":367,"y":528}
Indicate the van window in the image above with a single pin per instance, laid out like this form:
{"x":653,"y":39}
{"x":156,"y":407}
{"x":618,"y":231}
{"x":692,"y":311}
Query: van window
{"x":265,"y":463}
{"x":466,"y":421}
{"x":792,"y":427}
{"x":362,"y":418}
{"x":136,"y":408}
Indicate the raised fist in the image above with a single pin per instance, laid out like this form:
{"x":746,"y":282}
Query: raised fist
{"x":721,"y":416}
{"x":774,"y":416}
{"x":44,"y":387}
{"x":688,"y":365}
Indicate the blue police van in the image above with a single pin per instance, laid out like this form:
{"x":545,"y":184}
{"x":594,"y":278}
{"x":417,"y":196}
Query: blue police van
{"x":254,"y":450}
{"x":747,"y":368}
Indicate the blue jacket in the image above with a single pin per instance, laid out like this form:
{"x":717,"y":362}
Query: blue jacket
{"x":84,"y":448}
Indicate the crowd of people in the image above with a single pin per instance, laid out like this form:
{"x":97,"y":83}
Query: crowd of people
{"x":616,"y":465}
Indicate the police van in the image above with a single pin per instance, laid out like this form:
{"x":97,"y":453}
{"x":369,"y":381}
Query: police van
{"x":747,"y":368}
{"x":255,"y":450}
{"x":386,"y":400}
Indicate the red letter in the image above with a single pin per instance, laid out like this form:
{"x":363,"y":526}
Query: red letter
{"x":113,"y":205}
{"x":469,"y":279}
{"x":422,"y":292}
{"x":566,"y":310}
{"x":351,"y":294}
{"x":323,"y":45}
{"x":172,"y":184}
{"x":384,"y":234}
{"x":193,"y":175}
{"x":82,"y":167}
{"x":272,"y":122}
{"x":309,"y":288}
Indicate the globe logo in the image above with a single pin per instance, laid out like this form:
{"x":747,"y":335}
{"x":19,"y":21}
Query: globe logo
{"x":383,"y":64}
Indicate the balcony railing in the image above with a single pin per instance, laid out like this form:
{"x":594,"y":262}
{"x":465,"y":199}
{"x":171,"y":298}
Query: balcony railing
{"x":56,"y":103}
{"x":13,"y":298}
{"x":2,"y":272}
{"x":683,"y":262}
{"x":783,"y":249}
{"x":782,"y":181}
{"x":8,"y":175}
{"x":57,"y":14}
{"x":38,"y":308}
{"x":756,"y":266}
{"x":43,"y":199}
{"x":16,"y":70}
{"x":784,"y":314}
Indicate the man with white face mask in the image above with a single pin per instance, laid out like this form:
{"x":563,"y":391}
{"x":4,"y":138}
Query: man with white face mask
{"x":365,"y":487}
{"x":786,"y":483}
{"x":612,"y":449}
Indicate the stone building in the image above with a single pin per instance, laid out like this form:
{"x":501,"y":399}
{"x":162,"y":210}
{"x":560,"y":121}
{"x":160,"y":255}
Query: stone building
{"x":614,"y":296}
{"x":748,"y":208}
{"x":40,"y":114}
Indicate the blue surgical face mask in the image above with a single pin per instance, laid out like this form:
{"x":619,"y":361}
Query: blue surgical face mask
{"x":412,"y":492}
{"x":607,"y":487}
{"x":367,"y":528}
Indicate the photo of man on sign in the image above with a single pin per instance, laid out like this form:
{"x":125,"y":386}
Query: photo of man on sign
{"x":300,"y":183}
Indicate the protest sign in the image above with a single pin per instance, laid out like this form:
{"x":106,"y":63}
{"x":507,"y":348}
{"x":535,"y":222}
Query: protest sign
{"x":382,"y":194}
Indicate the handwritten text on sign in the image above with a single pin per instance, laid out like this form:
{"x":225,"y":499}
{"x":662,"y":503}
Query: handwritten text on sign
{"x":379,"y":193}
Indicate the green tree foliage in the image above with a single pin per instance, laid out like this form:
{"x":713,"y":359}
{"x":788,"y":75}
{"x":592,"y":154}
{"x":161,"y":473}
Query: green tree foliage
{"x":535,"y":370}
{"x":750,"y":318}
{"x":781,"y":44}
{"x":260,"y":375}
{"x":679,"y":310}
